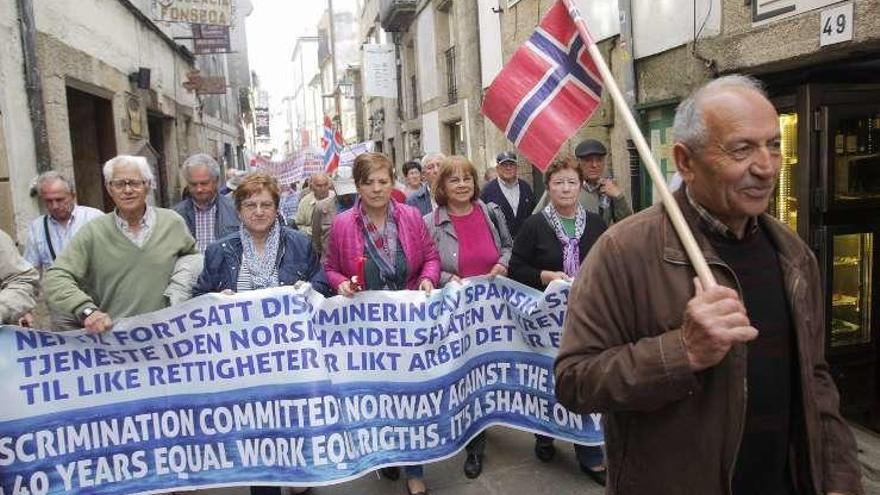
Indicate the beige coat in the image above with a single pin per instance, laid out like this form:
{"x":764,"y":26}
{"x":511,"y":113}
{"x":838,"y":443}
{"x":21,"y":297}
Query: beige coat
{"x":18,"y":282}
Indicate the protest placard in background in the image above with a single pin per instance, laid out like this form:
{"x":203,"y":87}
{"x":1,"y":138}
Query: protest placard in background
{"x":279,"y":386}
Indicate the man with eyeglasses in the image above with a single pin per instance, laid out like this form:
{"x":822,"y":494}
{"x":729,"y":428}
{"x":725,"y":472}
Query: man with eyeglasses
{"x":599,"y":194}
{"x":208,"y":215}
{"x":122,"y":263}
{"x":718,"y":389}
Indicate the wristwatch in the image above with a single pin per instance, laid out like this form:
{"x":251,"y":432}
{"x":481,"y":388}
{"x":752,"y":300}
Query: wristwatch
{"x":86,"y":313}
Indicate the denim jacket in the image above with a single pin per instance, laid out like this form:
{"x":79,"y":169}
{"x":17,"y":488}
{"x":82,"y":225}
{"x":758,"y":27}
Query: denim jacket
{"x":297,"y":260}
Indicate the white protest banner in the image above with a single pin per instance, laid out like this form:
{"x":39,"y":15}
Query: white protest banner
{"x":349,"y":153}
{"x":279,"y":387}
{"x":380,"y":71}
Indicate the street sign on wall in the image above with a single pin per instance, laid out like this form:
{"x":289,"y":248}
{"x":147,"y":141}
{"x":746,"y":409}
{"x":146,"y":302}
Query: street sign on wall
{"x":836,"y":24}
{"x":216,"y":12}
{"x":764,"y":11}
{"x":380,"y":71}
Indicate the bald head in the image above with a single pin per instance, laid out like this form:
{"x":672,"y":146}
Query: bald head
{"x":320,"y":185}
{"x":690,"y":122}
{"x":731,"y":155}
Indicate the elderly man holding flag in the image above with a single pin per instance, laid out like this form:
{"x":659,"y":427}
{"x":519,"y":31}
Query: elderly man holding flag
{"x":707,"y":387}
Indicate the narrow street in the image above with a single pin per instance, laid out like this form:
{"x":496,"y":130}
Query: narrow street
{"x":509,"y":467}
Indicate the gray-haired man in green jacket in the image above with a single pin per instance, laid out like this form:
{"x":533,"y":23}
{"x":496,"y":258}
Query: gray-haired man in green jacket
{"x":120,"y":264}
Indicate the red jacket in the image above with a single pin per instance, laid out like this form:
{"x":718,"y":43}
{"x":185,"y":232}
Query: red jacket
{"x":346,"y":245}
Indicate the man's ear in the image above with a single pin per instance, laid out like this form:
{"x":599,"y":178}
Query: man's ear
{"x":684,"y":161}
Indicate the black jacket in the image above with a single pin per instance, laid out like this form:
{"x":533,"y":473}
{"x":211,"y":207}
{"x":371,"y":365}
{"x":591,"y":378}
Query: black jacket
{"x":492,"y":194}
{"x":537,"y":248}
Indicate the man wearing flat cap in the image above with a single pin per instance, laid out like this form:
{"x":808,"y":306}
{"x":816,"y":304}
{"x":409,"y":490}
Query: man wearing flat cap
{"x":599,"y":195}
{"x":513,"y":195}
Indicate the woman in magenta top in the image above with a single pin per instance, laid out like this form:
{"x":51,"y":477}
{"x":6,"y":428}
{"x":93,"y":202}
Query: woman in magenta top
{"x":472,"y":239}
{"x":379,"y":244}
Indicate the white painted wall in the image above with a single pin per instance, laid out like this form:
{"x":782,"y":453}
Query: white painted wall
{"x":602,"y":17}
{"x":431,"y":132}
{"x":659,"y":25}
{"x":490,"y":41}
{"x":426,"y":55}
{"x":18,"y":134}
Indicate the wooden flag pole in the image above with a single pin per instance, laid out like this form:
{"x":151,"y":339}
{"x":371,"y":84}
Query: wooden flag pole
{"x":681,"y":226}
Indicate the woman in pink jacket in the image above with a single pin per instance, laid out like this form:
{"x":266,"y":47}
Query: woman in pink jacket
{"x":380,"y":244}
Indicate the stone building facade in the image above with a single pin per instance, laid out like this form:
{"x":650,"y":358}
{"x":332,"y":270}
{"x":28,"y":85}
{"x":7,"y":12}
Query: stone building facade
{"x":93,"y":58}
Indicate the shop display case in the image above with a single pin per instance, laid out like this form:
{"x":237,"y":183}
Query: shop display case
{"x":851,"y":289}
{"x":784,"y":204}
{"x":855,"y":176}
{"x":828,"y":191}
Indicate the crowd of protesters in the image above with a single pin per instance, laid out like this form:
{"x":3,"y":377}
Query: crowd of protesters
{"x":655,"y":351}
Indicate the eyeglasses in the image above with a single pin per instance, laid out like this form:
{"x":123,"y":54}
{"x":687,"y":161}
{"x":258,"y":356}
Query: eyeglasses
{"x":252,"y":206}
{"x":121,"y":184}
{"x":744,"y":150}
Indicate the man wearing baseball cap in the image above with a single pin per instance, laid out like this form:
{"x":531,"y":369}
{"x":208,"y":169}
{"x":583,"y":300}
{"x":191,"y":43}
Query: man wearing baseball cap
{"x":514,"y":196}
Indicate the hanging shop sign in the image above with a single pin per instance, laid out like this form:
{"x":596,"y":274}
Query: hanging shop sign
{"x":215,"y":12}
{"x":210,"y":39}
{"x":204,"y":85}
{"x":261,"y":119}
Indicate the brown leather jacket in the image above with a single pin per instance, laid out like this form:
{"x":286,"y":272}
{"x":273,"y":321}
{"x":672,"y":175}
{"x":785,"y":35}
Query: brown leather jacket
{"x":669,"y":430}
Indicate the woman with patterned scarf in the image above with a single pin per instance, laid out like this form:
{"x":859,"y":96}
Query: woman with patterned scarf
{"x":263,"y":253}
{"x":550,"y":246}
{"x":379,"y":244}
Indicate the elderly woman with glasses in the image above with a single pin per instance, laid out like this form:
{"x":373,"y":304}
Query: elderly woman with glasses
{"x":263,"y":253}
{"x":472,"y":239}
{"x":120,"y":264}
{"x":380,"y":244}
{"x":550,"y":246}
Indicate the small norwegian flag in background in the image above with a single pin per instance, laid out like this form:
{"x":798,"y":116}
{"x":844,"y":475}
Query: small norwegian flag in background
{"x":547,"y":90}
{"x":331,"y":145}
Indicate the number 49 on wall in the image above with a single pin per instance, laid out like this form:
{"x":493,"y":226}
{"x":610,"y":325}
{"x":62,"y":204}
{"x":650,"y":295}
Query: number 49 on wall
{"x":836,"y":25}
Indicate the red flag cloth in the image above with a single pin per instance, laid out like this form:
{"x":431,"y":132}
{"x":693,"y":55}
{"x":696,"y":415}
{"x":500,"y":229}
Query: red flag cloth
{"x":547,"y":90}
{"x":331,"y":145}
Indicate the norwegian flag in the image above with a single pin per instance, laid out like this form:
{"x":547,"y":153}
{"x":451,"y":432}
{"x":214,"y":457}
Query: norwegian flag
{"x":331,"y":145}
{"x":547,"y":90}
